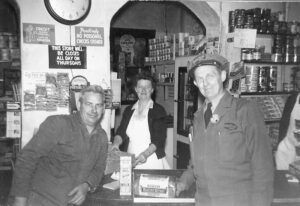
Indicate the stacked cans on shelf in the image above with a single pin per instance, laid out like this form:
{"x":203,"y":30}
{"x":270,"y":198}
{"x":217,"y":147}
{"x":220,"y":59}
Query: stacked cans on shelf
{"x":160,"y":49}
{"x":180,"y":44}
{"x":286,"y":49}
{"x":260,"y":79}
{"x":262,"y":20}
{"x":256,"y":18}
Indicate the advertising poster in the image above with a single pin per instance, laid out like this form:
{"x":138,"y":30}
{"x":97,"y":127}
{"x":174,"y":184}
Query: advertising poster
{"x":38,"y":33}
{"x":45,"y":91}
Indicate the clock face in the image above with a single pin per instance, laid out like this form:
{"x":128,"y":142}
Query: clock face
{"x":68,"y":12}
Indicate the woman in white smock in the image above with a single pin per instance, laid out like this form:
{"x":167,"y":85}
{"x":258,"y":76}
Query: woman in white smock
{"x":286,"y":151}
{"x":143,"y":128}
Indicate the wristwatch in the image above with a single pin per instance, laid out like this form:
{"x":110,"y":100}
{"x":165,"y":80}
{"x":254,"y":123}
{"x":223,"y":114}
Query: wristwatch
{"x":91,"y":188}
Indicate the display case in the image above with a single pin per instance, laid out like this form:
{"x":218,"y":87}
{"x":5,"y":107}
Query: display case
{"x":271,"y":104}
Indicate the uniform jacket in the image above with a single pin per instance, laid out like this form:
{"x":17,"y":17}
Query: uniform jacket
{"x":232,"y":158}
{"x":157,"y":127}
{"x":59,"y":157}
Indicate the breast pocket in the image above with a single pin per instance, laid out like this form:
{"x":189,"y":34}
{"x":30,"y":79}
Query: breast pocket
{"x":68,"y":149}
{"x":231,"y":143}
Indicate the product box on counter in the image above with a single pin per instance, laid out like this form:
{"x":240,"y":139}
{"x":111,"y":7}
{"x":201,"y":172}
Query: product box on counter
{"x":159,"y":186}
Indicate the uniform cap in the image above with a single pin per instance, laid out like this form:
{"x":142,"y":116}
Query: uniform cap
{"x":209,"y":59}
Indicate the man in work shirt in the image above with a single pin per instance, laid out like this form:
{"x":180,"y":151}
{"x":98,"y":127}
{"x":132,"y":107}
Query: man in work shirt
{"x":66,"y":158}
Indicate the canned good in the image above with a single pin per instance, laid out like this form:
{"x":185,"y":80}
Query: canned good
{"x":272,"y":79}
{"x":273,"y":72}
{"x":5,"y":54}
{"x":15,"y":53}
{"x":13,"y":41}
{"x":288,"y":87}
{"x":4,"y":40}
{"x":262,"y":80}
{"x":251,"y":88}
{"x":262,"y":84}
{"x":277,"y":57}
{"x":256,"y":55}
{"x":244,"y":54}
{"x":249,"y":55}
{"x":276,"y":26}
{"x":288,"y":58}
{"x":252,"y":70}
{"x":296,"y":58}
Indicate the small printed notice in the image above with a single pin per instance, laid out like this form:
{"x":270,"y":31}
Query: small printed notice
{"x":244,"y":38}
{"x":67,"y":57}
{"x":89,"y":36}
{"x":38,"y":33}
{"x":13,"y":124}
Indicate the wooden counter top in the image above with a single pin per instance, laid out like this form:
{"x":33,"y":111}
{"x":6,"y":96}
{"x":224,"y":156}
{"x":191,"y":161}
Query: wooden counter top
{"x":285,"y":193}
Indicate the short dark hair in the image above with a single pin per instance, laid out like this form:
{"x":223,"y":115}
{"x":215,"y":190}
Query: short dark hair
{"x":92,"y":88}
{"x":145,"y":76}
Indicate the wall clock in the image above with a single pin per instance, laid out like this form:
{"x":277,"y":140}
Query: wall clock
{"x":68,"y":12}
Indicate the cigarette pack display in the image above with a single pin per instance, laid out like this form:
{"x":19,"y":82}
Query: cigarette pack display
{"x":125,"y":175}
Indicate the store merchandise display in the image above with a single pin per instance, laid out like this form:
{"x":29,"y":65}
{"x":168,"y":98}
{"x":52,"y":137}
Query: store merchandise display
{"x":286,"y":39}
{"x":153,"y":185}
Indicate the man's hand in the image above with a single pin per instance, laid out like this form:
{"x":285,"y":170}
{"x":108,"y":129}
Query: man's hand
{"x":180,"y":186}
{"x":20,"y":201}
{"x":78,"y":194}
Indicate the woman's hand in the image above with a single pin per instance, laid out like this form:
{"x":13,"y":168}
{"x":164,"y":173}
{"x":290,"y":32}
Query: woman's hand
{"x":141,"y":159}
{"x":112,"y":147}
{"x":116,"y":143}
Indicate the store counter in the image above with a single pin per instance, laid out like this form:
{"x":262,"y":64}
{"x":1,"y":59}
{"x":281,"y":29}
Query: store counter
{"x":285,"y":193}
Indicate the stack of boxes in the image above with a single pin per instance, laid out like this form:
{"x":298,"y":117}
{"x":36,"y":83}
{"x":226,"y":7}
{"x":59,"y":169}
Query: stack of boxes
{"x":160,"y":49}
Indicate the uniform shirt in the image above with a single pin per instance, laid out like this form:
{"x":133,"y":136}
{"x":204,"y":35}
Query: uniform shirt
{"x":232,"y":162}
{"x":59,"y":157}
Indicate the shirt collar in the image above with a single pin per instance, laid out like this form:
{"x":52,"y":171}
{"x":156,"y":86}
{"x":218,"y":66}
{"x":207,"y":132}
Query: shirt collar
{"x":136,"y":105}
{"x":214,"y":104}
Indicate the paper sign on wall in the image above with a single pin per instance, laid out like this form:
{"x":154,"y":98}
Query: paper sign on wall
{"x":244,"y":38}
{"x":89,"y":36}
{"x":38,"y":33}
{"x":68,"y":57}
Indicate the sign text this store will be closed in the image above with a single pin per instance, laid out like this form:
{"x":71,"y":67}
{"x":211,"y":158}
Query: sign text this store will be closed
{"x":72,"y":57}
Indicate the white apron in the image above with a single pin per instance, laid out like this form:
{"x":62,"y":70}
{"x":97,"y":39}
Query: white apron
{"x":286,"y":152}
{"x":139,"y":140}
